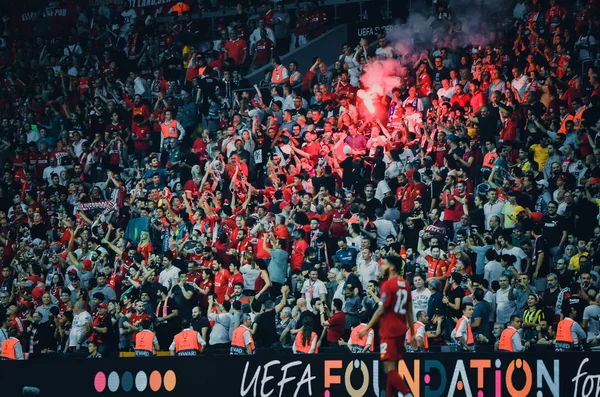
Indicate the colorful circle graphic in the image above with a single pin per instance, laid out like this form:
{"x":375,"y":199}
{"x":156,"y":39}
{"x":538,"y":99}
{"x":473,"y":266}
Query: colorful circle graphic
{"x":127,"y":381}
{"x":113,"y":381}
{"x":141,"y":381}
{"x":100,"y":382}
{"x":155,"y":381}
{"x":170,"y":380}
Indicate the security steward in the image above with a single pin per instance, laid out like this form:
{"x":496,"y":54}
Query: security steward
{"x":146,"y":343}
{"x":569,"y":333}
{"x":357,"y":344}
{"x":242,"y":341}
{"x":510,"y":340}
{"x":188,"y":342}
{"x":11,"y":347}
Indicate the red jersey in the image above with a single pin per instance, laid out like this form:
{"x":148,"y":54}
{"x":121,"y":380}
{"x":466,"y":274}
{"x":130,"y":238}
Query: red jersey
{"x":233,"y":280}
{"x":221,"y":279}
{"x":395,"y":297}
{"x":263,"y":51}
{"x":297,"y":256}
{"x":141,"y":134}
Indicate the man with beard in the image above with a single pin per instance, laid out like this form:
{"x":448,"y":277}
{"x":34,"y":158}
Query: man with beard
{"x":199,"y":322}
{"x":395,"y":313}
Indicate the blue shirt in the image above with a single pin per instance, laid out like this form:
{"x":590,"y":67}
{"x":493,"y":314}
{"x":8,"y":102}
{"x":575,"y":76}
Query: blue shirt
{"x":347,"y":256}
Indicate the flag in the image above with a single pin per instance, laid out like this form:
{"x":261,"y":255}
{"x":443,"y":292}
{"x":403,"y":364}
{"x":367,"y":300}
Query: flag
{"x":135,"y":227}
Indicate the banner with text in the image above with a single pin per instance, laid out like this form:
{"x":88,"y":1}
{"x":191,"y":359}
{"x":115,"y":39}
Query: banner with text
{"x":368,"y":30}
{"x":270,"y":374}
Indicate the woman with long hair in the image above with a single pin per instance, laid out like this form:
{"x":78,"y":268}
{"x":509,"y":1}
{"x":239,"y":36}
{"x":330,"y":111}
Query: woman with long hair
{"x":263,"y":282}
{"x":307,"y":341}
{"x":145,"y":246}
{"x":532,"y":318}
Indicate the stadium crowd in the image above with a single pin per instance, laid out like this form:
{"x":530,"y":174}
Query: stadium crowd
{"x":148,"y":187}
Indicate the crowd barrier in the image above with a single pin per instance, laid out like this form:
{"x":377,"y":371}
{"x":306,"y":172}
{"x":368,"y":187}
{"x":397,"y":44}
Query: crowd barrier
{"x":271,"y":374}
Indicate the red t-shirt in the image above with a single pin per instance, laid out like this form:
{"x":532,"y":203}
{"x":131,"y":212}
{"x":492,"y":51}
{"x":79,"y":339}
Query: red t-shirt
{"x":221,"y":279}
{"x":337,"y":323}
{"x":263,"y":51}
{"x":395,"y":297}
{"x":235,"y":50}
{"x":233,"y":280}
{"x":297,"y":256}
{"x":141,"y":132}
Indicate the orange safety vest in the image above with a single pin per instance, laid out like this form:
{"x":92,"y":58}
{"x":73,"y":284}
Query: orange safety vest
{"x":144,"y":344}
{"x":8,"y":349}
{"x":564,"y":336}
{"x":418,"y":325}
{"x":358,"y":344}
{"x":238,"y":347}
{"x":169,"y":130}
{"x":470,"y":340}
{"x":505,"y":344}
{"x":300,"y":349}
{"x":577,"y":118}
{"x":186,"y":343}
{"x":489,"y":159}
{"x":563,"y":123}
{"x":277,"y":77}
{"x":295,"y":78}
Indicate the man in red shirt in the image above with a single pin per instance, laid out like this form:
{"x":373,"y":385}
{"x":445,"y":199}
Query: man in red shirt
{"x":221,"y":279}
{"x":298,"y":247}
{"x":140,"y":131}
{"x":263,"y":50}
{"x":336,"y":323}
{"x":236,"y":277}
{"x":395,"y":312}
{"x":236,"y":48}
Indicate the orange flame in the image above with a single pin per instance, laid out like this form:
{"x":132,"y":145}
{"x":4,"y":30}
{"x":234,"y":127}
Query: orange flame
{"x":367,"y":100}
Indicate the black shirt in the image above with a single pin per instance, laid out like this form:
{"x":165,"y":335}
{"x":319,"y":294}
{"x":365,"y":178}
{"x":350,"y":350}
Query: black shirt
{"x":552,"y":229}
{"x":266,"y":332}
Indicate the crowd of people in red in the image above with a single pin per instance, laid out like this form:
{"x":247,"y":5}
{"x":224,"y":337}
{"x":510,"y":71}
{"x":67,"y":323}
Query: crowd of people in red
{"x":149,"y":189}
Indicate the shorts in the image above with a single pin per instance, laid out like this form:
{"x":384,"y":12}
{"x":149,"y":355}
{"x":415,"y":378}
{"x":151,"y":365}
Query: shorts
{"x":390,"y":349}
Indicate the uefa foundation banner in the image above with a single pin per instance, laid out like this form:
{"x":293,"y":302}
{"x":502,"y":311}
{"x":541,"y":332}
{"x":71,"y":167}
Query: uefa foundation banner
{"x":327,"y":375}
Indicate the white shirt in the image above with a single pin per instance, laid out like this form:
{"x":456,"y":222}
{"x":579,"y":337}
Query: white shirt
{"x":446,"y":93}
{"x":140,"y":86}
{"x":168,"y":277}
{"x":504,"y":307}
{"x":367,"y":271}
{"x":420,"y":300}
{"x":313,"y":290}
{"x":48,"y":171}
{"x":592,"y":315}
{"x":519,"y":254}
{"x":490,"y":210}
{"x":520,"y":85}
{"x":77,"y":147}
{"x":77,"y":330}
{"x":493,"y":271}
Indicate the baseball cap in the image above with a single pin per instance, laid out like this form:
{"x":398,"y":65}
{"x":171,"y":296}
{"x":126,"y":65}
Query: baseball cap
{"x":87,"y":264}
{"x":102,"y":306}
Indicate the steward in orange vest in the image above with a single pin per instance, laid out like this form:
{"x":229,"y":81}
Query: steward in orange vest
{"x":569,"y":334}
{"x":188,"y":342}
{"x":462,"y":333}
{"x":357,"y":344}
{"x":307,"y":341}
{"x":421,"y":334}
{"x":242,"y":341}
{"x":11,"y":348}
{"x":146,"y":343}
{"x":507,"y":342}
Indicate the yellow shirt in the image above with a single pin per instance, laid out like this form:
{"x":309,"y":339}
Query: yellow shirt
{"x":540,"y":155}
